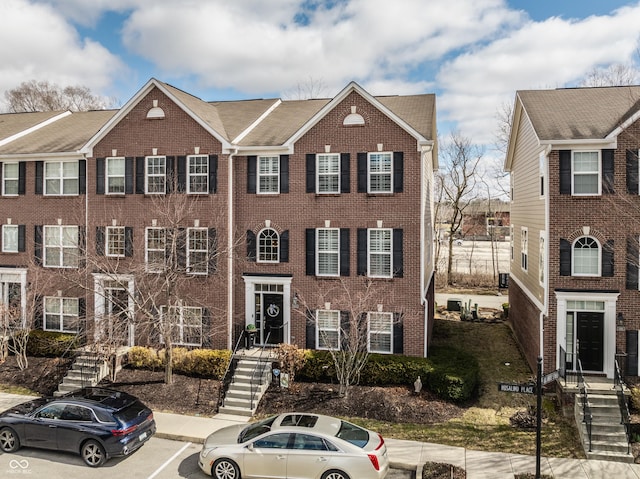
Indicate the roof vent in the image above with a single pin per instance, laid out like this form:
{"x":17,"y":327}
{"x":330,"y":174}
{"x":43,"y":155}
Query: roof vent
{"x":353,"y":119}
{"x":156,"y":113}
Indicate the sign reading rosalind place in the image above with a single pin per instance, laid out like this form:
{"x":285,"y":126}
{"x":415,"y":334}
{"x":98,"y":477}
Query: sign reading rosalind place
{"x":526,"y":388}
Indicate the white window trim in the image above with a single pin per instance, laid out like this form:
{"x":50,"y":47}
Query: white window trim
{"x":337,"y":174}
{"x":542,"y":252}
{"x":60,"y":178}
{"x":258,"y":257}
{"x":61,"y":247}
{"x":6,"y":178}
{"x":524,"y":248}
{"x":149,"y":266}
{"x":107,"y":248}
{"x":5,"y":229}
{"x":319,"y":334}
{"x":370,"y":173}
{"x":260,"y":175}
{"x":180,"y":326}
{"x":370,"y":332}
{"x":327,"y":252}
{"x":148,"y":175}
{"x":573,"y":261}
{"x":205,"y":251}
{"x":574,"y":173}
{"x":390,"y":253}
{"x":107,"y":176}
{"x":190,"y":175}
{"x":60,"y":314}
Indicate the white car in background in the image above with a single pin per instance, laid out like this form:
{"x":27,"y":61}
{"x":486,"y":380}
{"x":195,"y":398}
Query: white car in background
{"x":295,"y":445}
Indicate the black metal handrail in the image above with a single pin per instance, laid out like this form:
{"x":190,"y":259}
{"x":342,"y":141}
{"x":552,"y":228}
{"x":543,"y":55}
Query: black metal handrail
{"x":258,"y":367}
{"x":227,"y":377}
{"x":587,"y":416}
{"x":625,"y":417}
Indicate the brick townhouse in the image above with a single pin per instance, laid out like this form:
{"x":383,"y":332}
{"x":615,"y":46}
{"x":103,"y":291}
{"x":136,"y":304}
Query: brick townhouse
{"x":573,"y":289}
{"x":279,"y":208}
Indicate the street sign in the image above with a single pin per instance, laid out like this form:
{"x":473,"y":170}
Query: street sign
{"x":552,"y":376}
{"x":526,"y":388}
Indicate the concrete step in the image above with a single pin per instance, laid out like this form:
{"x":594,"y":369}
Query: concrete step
{"x":236,"y":411}
{"x":608,"y":456}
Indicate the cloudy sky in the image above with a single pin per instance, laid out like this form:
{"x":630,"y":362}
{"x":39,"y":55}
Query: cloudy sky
{"x":474,"y":54}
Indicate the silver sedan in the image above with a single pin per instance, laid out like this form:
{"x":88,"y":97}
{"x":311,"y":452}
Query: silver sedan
{"x":295,"y":445}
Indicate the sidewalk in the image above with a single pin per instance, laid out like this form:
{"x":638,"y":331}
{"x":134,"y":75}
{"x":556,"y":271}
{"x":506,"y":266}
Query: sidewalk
{"x":406,"y":454}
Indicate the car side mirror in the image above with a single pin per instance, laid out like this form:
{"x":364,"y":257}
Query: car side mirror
{"x":250,"y":446}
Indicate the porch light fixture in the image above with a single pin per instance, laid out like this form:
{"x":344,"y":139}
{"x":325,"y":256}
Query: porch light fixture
{"x":620,"y":321}
{"x":295,"y":302}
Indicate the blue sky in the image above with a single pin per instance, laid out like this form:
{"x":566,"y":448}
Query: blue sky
{"x":474,"y":54}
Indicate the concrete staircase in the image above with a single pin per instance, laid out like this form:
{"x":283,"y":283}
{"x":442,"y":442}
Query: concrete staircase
{"x":251,"y":379}
{"x":608,"y":435}
{"x":88,"y":369}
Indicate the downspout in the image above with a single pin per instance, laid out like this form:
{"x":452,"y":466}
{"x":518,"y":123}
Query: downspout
{"x":230,"y":268}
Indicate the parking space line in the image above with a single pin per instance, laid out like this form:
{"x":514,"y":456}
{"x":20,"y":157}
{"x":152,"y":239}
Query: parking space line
{"x":168,"y":461}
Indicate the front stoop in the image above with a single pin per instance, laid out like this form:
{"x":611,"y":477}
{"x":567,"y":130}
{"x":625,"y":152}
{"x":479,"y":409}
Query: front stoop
{"x":242,"y":399}
{"x":608,"y":435}
{"x":88,"y":369}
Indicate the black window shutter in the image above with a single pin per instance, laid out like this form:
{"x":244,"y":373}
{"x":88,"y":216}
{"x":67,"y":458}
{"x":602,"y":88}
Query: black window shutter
{"x":39,"y":177}
{"x":632,"y":263}
{"x":565,"y":172}
{"x":22,"y":177}
{"x":251,"y":245}
{"x":1,"y":187}
{"x":37,"y":241}
{"x":128,"y":241}
{"x":170,"y":174}
{"x":100,"y":162}
{"x":398,"y":171}
{"x":345,"y":173}
{"x":344,"y":252}
{"x":362,"y":251}
{"x":608,"y":171}
{"x":128,"y":175}
{"x":38,"y":314}
{"x":82,"y":246}
{"x":565,"y":258}
{"x":284,"y":247}
{"x":182,"y":173}
{"x":398,"y":334}
{"x":140,"y":167}
{"x":632,"y":172}
{"x":82,"y":308}
{"x":310,"y":340}
{"x":181,"y":248}
{"x":362,"y":173}
{"x":207,"y":333}
{"x":252,"y":164}
{"x":345,"y":329}
{"x":100,"y":240}
{"x":607,"y":259}
{"x":310,"y":235}
{"x":284,"y":173}
{"x":22,"y":231}
{"x":311,"y":172}
{"x":398,"y":263}
{"x":213,"y":250}
{"x":632,"y":352}
{"x":82,"y":177}
{"x":213,"y":173}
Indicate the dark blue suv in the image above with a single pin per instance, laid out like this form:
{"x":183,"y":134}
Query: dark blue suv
{"x":94,"y":422}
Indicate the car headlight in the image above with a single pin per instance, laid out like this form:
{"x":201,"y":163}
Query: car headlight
{"x":207,"y":451}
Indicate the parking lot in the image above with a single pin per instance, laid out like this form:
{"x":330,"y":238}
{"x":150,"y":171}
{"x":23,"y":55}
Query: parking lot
{"x":158,"y":459}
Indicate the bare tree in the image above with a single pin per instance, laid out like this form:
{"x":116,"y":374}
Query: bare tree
{"x":618,"y":74}
{"x":34,"y":95}
{"x":306,"y":90}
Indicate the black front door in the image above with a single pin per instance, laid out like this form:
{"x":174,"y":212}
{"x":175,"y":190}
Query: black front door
{"x":591,"y":340}
{"x":272,"y":317}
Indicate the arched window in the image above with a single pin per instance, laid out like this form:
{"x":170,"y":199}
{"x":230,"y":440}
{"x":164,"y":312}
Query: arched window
{"x":586,"y":257}
{"x":268,"y":246}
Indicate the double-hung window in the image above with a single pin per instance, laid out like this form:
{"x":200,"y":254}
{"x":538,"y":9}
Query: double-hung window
{"x":268,"y":174}
{"x":61,"y":314}
{"x":115,"y":175}
{"x":268,"y":246}
{"x":9,"y":238}
{"x":197,"y":250}
{"x":10,"y":179}
{"x":155,"y":249}
{"x":586,"y":172}
{"x":61,"y":178}
{"x":185,"y":324}
{"x":115,"y":241}
{"x":61,"y":246}
{"x":524,"y":249}
{"x":380,"y":255}
{"x":380,"y":332}
{"x":380,"y":172}
{"x":328,"y":165}
{"x":198,"y":174}
{"x":328,"y":329}
{"x":156,"y":174}
{"x":328,"y":251}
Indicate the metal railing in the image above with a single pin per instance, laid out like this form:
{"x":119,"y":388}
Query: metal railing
{"x":259,"y":367}
{"x":227,"y":377}
{"x":587,"y":416}
{"x":625,"y":417}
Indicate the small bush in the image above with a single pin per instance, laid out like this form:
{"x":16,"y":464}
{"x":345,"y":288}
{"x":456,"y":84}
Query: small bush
{"x":139,"y":357}
{"x":51,"y":344}
{"x":204,"y":363}
{"x":635,"y":399}
{"x":291,"y":359}
{"x":455,"y":374}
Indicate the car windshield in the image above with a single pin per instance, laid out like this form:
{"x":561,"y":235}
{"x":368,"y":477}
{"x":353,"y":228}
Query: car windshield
{"x":353,"y":434}
{"x":255,"y":429}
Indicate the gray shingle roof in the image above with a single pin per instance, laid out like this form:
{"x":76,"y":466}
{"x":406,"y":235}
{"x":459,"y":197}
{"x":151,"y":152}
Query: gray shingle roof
{"x":13,"y":123}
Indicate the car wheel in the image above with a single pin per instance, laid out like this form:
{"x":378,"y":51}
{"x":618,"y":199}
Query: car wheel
{"x":225,"y":469}
{"x":9,"y":441}
{"x":93,"y":453}
{"x":335,"y":474}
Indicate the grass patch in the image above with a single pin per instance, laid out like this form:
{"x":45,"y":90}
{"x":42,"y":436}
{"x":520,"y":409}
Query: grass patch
{"x":10,"y":389}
